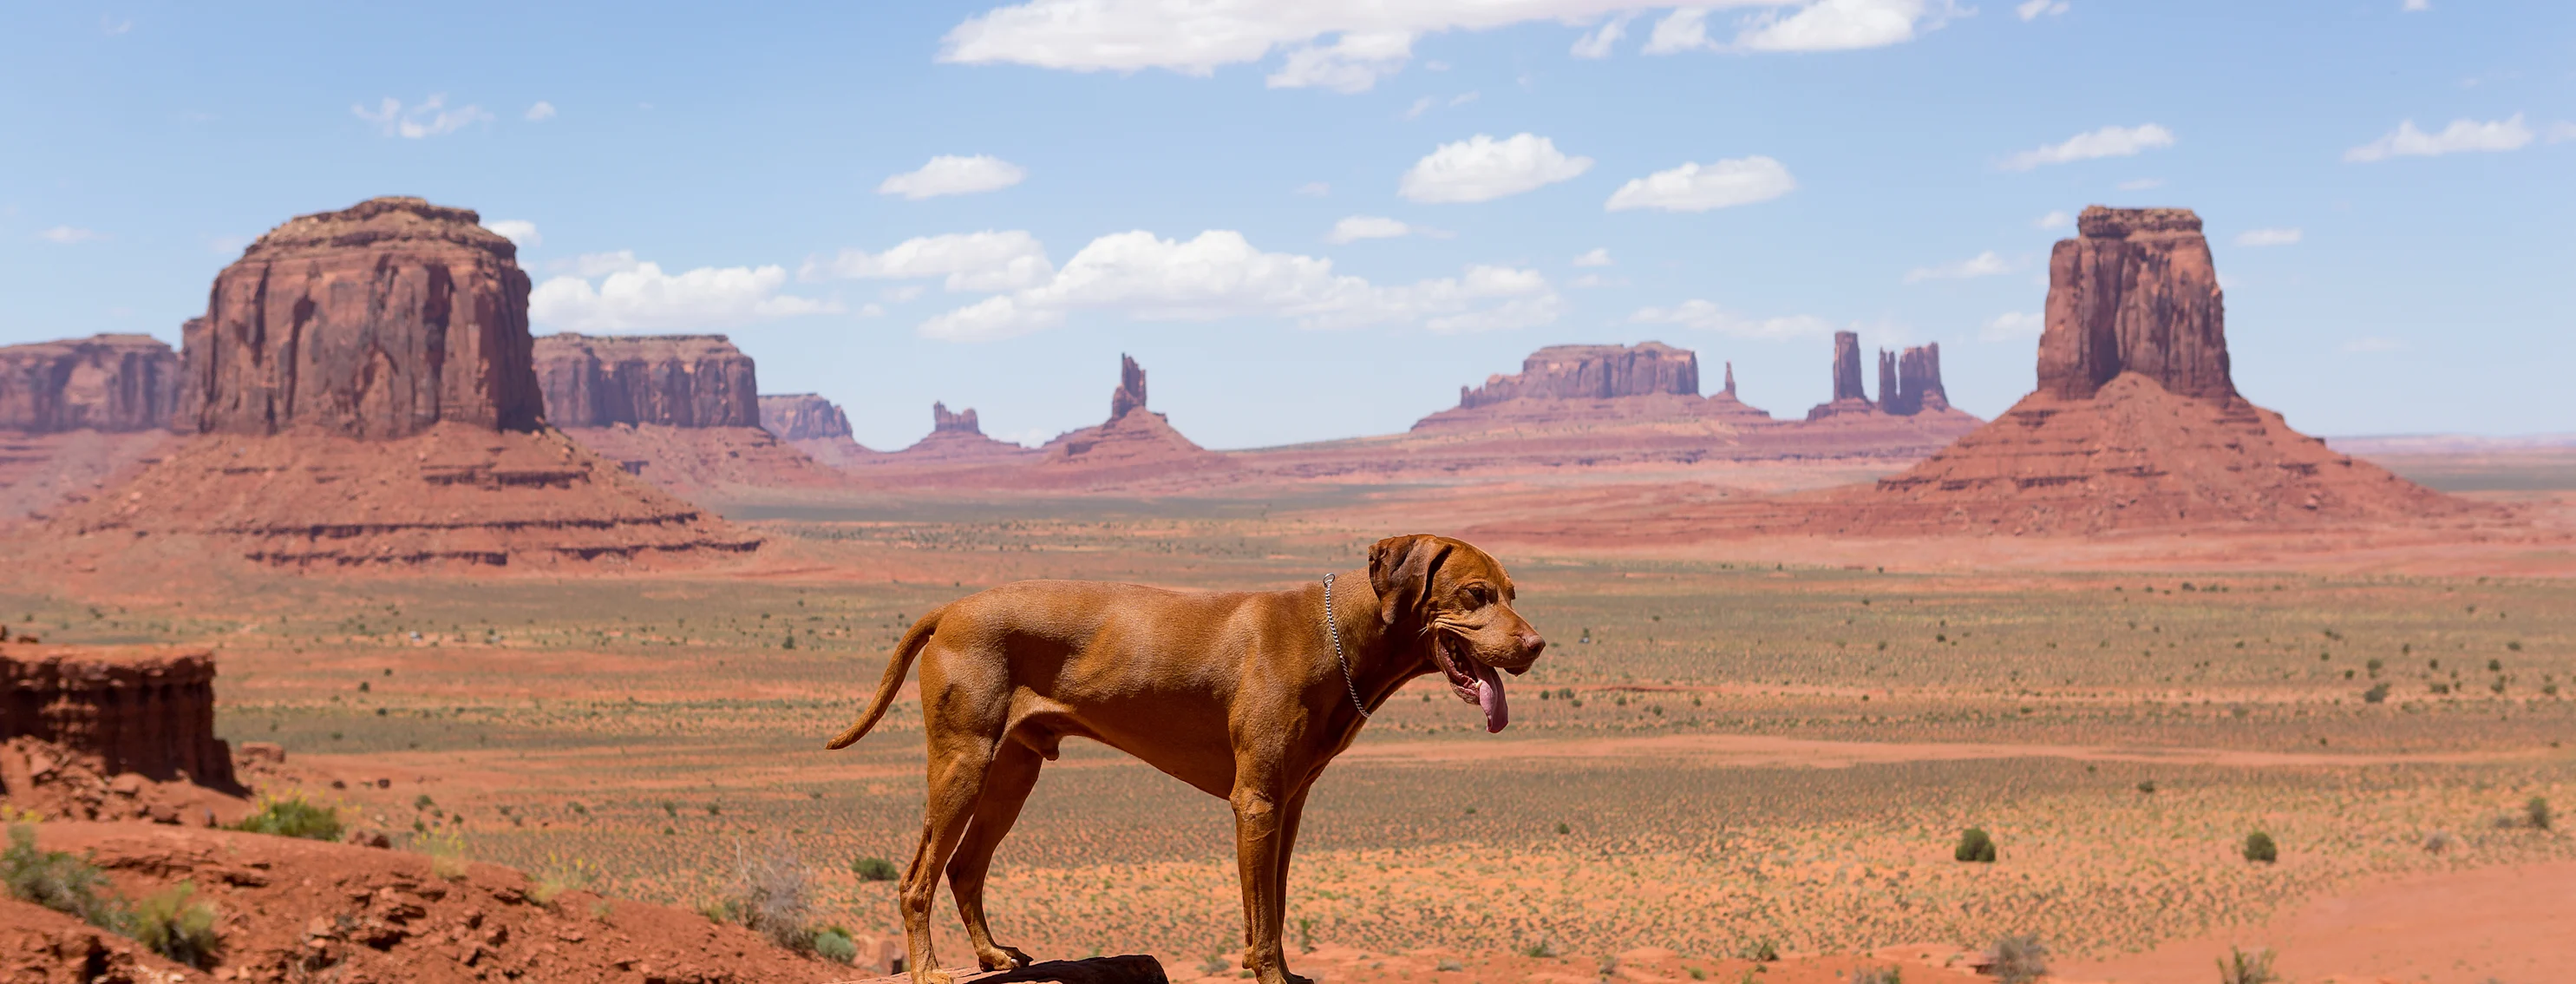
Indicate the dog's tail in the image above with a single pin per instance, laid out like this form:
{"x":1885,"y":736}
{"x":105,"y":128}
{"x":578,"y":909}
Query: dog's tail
{"x":897,"y":666}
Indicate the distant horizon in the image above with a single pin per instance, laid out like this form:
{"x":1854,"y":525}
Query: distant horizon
{"x":1313,"y":227}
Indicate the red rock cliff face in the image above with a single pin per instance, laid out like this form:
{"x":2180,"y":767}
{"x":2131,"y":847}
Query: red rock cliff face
{"x":2135,"y":291}
{"x":117,"y":383}
{"x":140,"y":710}
{"x":1909,"y":382}
{"x":1592,"y":372}
{"x":1847,"y":384}
{"x":677,"y":380}
{"x":802,"y":417}
{"x":376,"y":321}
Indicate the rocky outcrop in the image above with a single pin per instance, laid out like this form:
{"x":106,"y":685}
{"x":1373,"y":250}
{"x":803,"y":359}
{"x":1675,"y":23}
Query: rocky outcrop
{"x":1133,"y":440}
{"x":377,"y":321}
{"x":803,"y":417}
{"x":943,"y":422}
{"x":1909,"y":382}
{"x":1591,"y":372}
{"x":128,"y":709}
{"x":364,"y":394}
{"x":958,"y":438}
{"x":114,"y":383}
{"x":1849,"y":398}
{"x":2134,"y":292}
{"x":2136,"y":423}
{"x":676,"y":380}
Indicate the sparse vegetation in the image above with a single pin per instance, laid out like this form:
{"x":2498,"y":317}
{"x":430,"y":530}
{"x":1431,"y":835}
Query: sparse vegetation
{"x":58,"y":881}
{"x":1974,"y":845}
{"x":772,"y":894}
{"x":2017,"y":959}
{"x":2260,"y":849}
{"x":559,"y":875}
{"x":175,"y":927}
{"x":834,"y":944}
{"x":875,"y":869}
{"x":1890,"y":974}
{"x":293,"y":816}
{"x":1760,"y":950}
{"x":2247,"y":967}
{"x":2536,"y":814}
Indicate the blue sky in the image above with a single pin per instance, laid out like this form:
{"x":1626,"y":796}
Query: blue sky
{"x":2388,"y":190}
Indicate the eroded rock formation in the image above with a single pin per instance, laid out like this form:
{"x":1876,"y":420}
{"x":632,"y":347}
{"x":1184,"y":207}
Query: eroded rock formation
{"x":943,"y":422}
{"x":675,"y":380}
{"x":1133,"y":440}
{"x":1591,"y":372}
{"x":364,"y":384}
{"x":114,"y":383}
{"x":2136,"y":422}
{"x":958,"y":438}
{"x":376,"y":321}
{"x":2135,"y":291}
{"x":803,"y":417}
{"x":1849,"y":398}
{"x":142,"y":710}
{"x":1909,"y":382}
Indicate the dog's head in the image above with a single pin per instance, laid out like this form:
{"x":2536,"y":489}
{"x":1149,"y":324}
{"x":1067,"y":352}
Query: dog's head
{"x":1457,"y":600}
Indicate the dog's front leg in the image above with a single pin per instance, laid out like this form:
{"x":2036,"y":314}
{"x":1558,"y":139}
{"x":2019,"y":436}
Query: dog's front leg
{"x":1260,"y":816}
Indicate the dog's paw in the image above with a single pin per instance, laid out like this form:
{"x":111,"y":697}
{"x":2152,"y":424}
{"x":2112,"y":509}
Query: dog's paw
{"x":1003,"y":958}
{"x":933,"y":975}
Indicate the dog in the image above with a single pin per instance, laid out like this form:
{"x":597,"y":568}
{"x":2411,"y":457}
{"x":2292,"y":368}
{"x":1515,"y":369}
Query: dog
{"x":1245,"y":695}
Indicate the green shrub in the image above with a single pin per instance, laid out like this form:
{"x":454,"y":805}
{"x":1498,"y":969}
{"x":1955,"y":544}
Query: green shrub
{"x":875,"y":869}
{"x":1974,"y":845}
{"x":1878,"y":975}
{"x":2017,"y":959}
{"x":58,"y":881}
{"x":2259,"y":848}
{"x":558,"y":876}
{"x":2378,"y":693}
{"x":1761,"y":951}
{"x":2247,"y":967}
{"x":834,"y":944}
{"x":293,"y":816}
{"x":2536,"y":813}
{"x":178,"y":929}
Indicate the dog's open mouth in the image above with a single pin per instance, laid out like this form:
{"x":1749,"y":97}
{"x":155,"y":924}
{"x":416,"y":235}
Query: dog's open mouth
{"x":1473,"y":681}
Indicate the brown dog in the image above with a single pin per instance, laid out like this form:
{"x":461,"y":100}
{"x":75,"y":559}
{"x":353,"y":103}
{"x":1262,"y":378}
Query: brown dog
{"x":1241,"y":694}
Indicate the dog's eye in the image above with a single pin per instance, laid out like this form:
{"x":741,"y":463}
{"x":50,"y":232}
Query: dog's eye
{"x":1478,"y":597}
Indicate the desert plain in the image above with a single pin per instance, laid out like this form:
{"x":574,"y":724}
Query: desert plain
{"x":1728,"y":747}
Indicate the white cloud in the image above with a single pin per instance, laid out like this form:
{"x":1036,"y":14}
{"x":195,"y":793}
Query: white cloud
{"x":2011,"y":325}
{"x":2031,"y":10}
{"x":540,"y":112}
{"x":71,"y":234}
{"x":1840,"y":25}
{"x":643,"y":298}
{"x":1219,"y":275}
{"x":2109,"y":141}
{"x":1984,"y":264}
{"x":1707,"y":316}
{"x":950,"y":175}
{"x":1358,"y":227}
{"x":520,"y":231}
{"x":2370,"y":343}
{"x":1353,"y":63}
{"x":871,"y":311}
{"x":899,"y":295}
{"x":1598,"y":42}
{"x":2268,"y":237}
{"x":1315,"y":189}
{"x":2141,"y":184}
{"x":1482,"y":168}
{"x":1348,"y":45}
{"x":1701,"y":187}
{"x":974,"y":261}
{"x":431,"y":118}
{"x":2417,"y":5}
{"x":1598,"y":256}
{"x":2460,"y":137}
{"x":2055,"y":219}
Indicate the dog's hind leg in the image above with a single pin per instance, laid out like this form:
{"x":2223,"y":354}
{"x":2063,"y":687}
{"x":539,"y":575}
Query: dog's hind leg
{"x":958,"y":763}
{"x":1006,"y":785}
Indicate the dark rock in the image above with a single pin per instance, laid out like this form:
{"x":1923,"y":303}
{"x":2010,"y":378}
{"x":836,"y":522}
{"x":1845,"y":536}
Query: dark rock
{"x":376,"y":321}
{"x":119,"y":383}
{"x":678,"y":380}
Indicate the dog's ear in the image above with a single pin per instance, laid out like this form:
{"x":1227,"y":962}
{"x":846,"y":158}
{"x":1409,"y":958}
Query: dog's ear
{"x":1400,"y":569}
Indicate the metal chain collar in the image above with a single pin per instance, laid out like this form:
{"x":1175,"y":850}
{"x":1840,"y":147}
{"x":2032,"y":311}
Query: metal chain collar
{"x":1334,"y":629}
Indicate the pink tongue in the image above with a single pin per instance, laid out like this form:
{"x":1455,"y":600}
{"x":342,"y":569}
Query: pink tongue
{"x":1489,"y":695}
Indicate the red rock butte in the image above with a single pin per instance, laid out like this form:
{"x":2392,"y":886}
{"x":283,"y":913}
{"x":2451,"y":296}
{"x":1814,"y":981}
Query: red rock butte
{"x":681,"y":411}
{"x":362,"y":392}
{"x":108,"y":383}
{"x":138,"y":709}
{"x":2136,"y":421}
